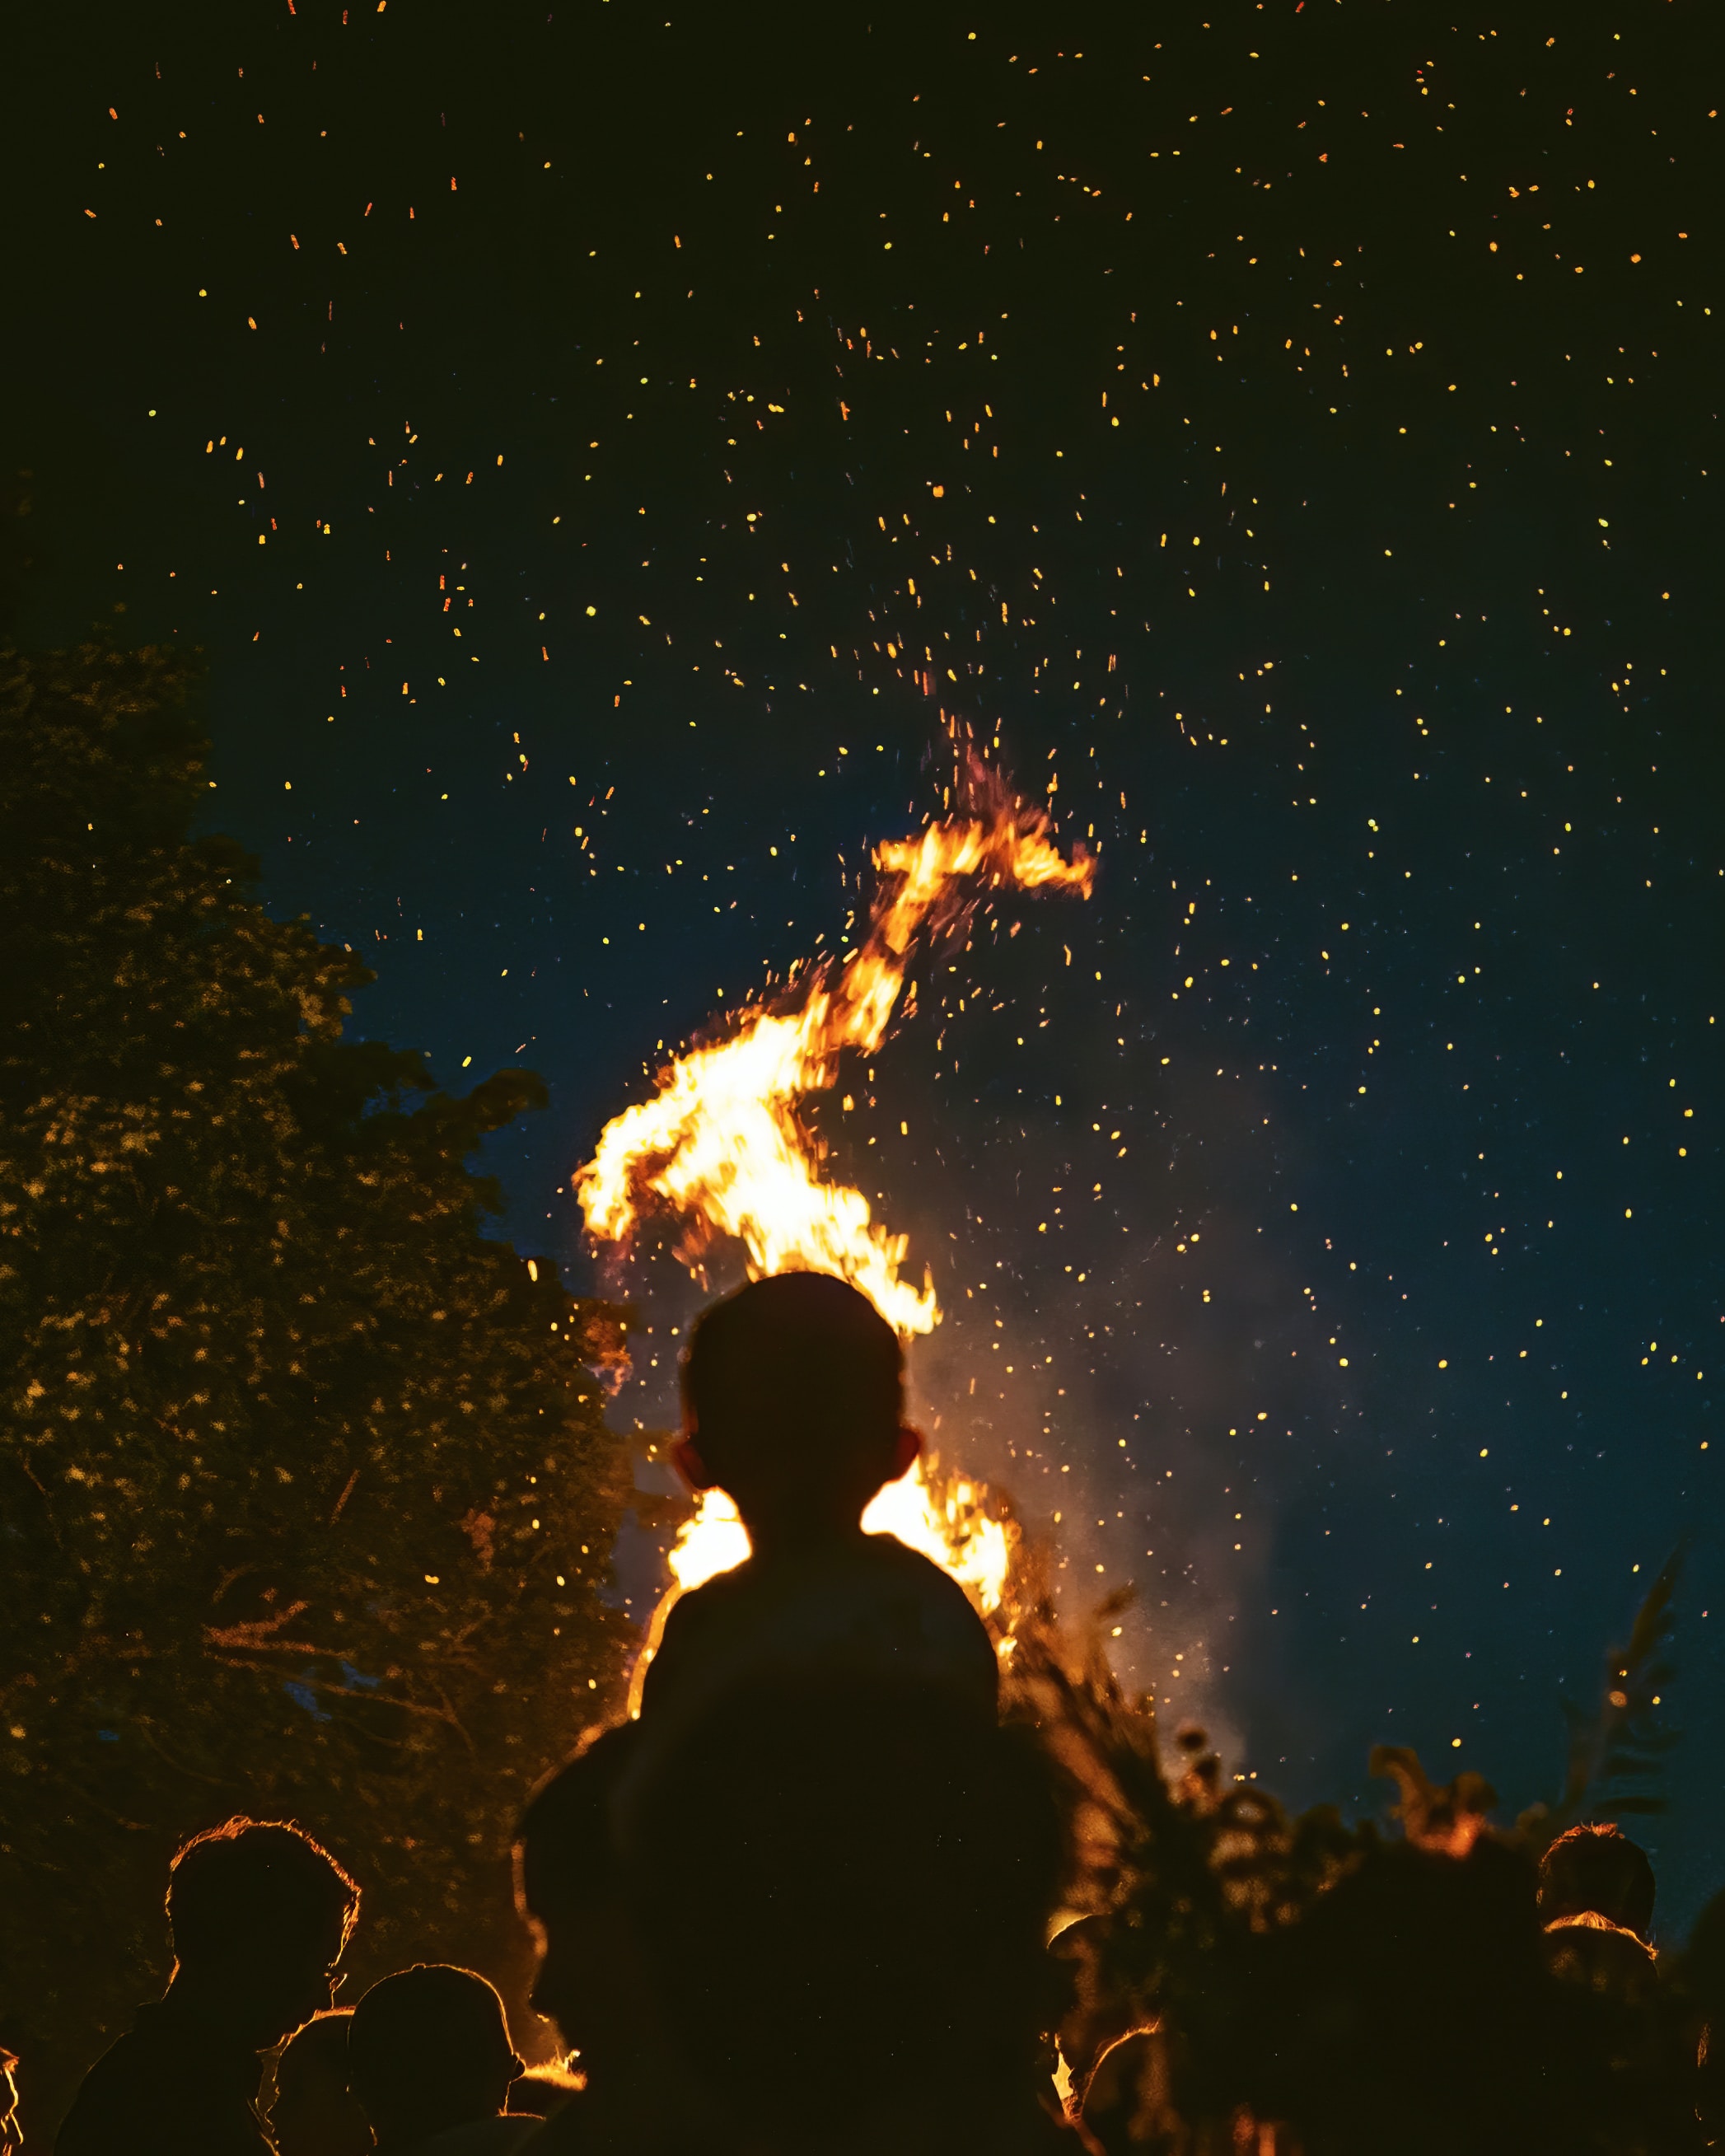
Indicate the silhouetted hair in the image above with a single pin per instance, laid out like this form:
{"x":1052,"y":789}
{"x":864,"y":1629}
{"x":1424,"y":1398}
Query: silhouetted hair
{"x":247,"y":1882}
{"x":865,"y":1920}
{"x":429,"y":2046}
{"x":566,"y":1844}
{"x":1596,"y":1869}
{"x":795,"y":1373}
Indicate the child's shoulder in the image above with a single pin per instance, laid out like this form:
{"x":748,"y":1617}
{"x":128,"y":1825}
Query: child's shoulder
{"x":869,"y":1565}
{"x":870,"y":1602}
{"x":897,"y":1561}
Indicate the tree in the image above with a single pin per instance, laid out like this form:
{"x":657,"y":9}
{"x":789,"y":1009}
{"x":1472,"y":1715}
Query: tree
{"x":306,"y":1491}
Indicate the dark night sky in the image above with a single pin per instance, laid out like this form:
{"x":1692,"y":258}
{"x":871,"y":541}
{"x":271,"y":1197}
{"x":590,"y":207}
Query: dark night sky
{"x":1297,"y":424}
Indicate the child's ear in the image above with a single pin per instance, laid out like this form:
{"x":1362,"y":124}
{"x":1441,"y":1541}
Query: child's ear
{"x":907,"y":1450}
{"x":689,"y":1464}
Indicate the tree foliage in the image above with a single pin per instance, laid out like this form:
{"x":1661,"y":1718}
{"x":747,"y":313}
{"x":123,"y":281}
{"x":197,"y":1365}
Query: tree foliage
{"x":306,"y":1491}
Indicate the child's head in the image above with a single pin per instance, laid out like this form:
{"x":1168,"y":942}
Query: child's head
{"x":315,"y":2112}
{"x":260,"y":1914}
{"x":429,"y":2049}
{"x":792,"y":1389}
{"x":1596,"y":1869}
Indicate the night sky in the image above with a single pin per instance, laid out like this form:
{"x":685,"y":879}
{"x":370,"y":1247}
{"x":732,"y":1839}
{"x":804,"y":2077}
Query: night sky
{"x":598,"y":453}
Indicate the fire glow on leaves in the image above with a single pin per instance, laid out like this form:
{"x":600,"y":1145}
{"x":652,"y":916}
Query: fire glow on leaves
{"x":722,"y":1145}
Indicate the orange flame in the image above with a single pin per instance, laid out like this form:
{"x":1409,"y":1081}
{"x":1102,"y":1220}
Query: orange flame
{"x":945,"y":1517}
{"x":721,"y":1143}
{"x":948,"y":1524}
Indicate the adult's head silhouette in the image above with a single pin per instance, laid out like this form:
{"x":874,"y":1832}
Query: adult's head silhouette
{"x":260,"y":1914}
{"x":569,"y":1887}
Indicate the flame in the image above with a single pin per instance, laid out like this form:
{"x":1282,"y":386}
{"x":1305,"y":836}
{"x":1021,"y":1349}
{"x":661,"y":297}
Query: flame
{"x":944,"y":1517}
{"x":721,"y":1143}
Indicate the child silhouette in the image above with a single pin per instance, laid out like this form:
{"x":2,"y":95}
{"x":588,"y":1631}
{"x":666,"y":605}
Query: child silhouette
{"x":429,"y":2059}
{"x":792,"y":1403}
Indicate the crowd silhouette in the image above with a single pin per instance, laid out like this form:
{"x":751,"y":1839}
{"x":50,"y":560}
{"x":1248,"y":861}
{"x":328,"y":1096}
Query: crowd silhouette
{"x":836,"y":1891}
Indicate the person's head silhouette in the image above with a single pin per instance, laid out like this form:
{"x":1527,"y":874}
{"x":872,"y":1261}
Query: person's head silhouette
{"x":259,"y":1915}
{"x":429,"y":2049}
{"x":792,"y":1400}
{"x":1597,"y":1870}
{"x":315,"y":2112}
{"x":570,"y":1890}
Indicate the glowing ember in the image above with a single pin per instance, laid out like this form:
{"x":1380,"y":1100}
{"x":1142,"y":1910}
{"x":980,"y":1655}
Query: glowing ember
{"x":721,"y":1143}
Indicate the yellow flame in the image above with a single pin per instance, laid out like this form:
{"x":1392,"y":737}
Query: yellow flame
{"x":944,"y":1517}
{"x":711,"y":1542}
{"x":946,"y":1520}
{"x":721,"y":1143}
